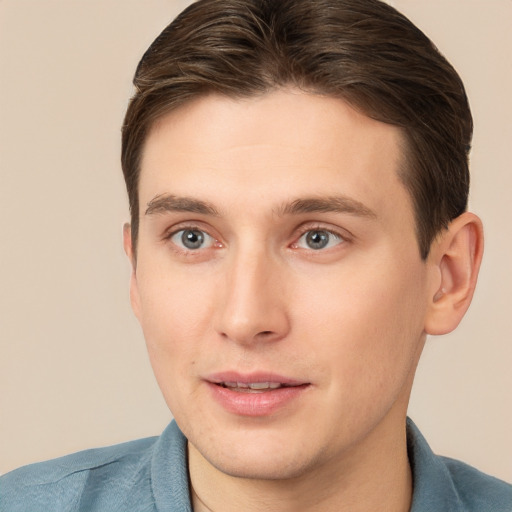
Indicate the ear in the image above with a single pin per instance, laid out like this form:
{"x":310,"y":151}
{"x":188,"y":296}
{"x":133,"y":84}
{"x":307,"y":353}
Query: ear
{"x":454,"y":259}
{"x":129,"y":250}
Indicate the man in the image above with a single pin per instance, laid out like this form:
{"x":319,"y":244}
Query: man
{"x":297,"y":177}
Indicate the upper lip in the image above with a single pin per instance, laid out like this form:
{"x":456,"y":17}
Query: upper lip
{"x":252,"y":378}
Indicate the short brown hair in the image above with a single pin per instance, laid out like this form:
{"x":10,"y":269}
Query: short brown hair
{"x":362,"y":51}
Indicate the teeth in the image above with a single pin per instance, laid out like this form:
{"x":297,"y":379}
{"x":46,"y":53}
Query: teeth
{"x":258,"y":386}
{"x":262,"y":385}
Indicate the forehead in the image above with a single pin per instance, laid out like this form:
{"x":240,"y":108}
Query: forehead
{"x":283,"y":144}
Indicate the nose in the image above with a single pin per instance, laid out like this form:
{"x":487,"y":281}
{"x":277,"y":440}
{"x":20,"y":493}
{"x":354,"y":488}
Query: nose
{"x":252,"y":305}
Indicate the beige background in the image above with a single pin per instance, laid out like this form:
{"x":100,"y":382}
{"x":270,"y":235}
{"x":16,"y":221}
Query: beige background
{"x":73,"y":367}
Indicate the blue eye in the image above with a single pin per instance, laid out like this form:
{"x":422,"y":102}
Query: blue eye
{"x":318,"y":239}
{"x":192,"y":239}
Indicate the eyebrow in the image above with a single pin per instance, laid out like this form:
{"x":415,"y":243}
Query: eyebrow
{"x":332,"y":204}
{"x":164,"y":203}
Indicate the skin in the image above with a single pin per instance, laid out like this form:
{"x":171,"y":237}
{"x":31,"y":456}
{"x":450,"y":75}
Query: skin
{"x":350,"y":319}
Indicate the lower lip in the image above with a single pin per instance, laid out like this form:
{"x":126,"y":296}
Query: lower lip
{"x":263,"y":403}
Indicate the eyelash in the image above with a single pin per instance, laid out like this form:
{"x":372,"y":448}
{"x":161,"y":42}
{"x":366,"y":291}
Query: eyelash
{"x":168,"y":236}
{"x":343,"y":238}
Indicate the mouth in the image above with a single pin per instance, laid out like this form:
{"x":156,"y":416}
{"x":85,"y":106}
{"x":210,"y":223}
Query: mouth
{"x":256,"y":394}
{"x":255,"y":387}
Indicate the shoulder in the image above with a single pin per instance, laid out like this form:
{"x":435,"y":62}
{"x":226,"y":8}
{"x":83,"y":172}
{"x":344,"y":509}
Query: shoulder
{"x":476,"y":490}
{"x":144,"y":475}
{"x":64,"y":483}
{"x":441,"y":483}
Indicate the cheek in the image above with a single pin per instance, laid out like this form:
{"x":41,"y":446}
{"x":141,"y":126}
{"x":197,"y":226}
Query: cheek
{"x":174,"y":318}
{"x":366,"y":324}
{"x":174,"y":301}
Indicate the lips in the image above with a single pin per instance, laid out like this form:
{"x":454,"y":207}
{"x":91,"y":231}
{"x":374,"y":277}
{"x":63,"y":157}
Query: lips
{"x":253,"y":387}
{"x":260,"y":394}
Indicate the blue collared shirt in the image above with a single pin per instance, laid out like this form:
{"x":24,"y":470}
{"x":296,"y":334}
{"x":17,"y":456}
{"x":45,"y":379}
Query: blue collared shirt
{"x":151,"y":475}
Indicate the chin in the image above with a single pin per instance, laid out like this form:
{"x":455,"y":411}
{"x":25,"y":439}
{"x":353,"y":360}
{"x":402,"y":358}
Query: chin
{"x":259,"y":456}
{"x":273,"y":467}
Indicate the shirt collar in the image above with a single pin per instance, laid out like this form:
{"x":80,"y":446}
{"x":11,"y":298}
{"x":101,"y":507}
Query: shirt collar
{"x":169,"y":471}
{"x":433,"y":487}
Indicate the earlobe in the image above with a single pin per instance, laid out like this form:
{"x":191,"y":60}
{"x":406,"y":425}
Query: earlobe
{"x":455,"y":261}
{"x":128,"y":249}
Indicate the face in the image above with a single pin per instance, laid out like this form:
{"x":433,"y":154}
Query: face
{"x":278,"y":280}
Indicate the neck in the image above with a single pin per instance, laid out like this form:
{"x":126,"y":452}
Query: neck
{"x":375,"y":475}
